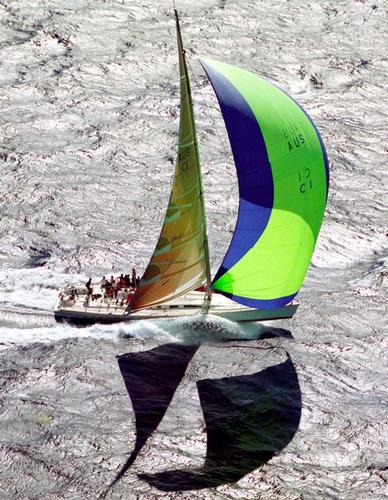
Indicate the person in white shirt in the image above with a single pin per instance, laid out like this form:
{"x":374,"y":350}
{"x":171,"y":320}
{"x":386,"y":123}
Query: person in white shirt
{"x":120,"y":297}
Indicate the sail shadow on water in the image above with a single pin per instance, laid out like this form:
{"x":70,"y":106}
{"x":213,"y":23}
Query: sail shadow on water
{"x":151,"y":379}
{"x":249,"y":419}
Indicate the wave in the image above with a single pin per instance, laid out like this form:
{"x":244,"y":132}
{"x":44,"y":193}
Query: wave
{"x":25,"y":319}
{"x":20,"y":326}
{"x":199,"y":329}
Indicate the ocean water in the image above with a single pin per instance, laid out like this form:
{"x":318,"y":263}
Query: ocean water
{"x":199,"y":408}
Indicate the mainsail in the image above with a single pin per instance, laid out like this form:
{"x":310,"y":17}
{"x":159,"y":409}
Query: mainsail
{"x":180,"y":261}
{"x":282,"y":171}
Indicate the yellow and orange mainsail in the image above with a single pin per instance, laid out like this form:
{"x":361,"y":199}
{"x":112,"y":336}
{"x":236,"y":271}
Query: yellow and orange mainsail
{"x":180,"y":261}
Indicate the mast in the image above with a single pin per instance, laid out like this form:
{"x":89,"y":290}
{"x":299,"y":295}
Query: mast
{"x":183,"y":65}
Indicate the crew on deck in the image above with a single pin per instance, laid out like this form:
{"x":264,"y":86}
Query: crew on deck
{"x":89,"y":286}
{"x":120,"y":289}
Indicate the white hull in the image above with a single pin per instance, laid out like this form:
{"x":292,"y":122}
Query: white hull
{"x":190,"y":305}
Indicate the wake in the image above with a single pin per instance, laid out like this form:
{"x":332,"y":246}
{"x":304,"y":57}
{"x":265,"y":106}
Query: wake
{"x":28,"y":325}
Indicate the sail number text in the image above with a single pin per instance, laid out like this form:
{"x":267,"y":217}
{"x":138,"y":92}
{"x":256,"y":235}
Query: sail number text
{"x":183,"y":159}
{"x":305,"y":181}
{"x":294,"y":141}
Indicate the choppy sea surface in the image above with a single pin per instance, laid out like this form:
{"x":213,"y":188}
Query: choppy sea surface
{"x":199,"y":408}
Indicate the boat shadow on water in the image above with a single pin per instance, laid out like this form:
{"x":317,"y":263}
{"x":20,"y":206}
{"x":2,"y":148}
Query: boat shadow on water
{"x":249,"y":418}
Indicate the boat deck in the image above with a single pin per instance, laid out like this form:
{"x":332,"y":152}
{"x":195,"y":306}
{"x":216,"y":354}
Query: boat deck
{"x":87,"y":311}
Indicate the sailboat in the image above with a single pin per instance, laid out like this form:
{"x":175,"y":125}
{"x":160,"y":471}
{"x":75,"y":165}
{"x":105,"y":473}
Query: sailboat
{"x":283,"y":180}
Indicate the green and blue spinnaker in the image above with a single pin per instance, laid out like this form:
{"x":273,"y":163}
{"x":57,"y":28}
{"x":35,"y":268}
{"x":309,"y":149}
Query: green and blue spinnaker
{"x":282,"y":170}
